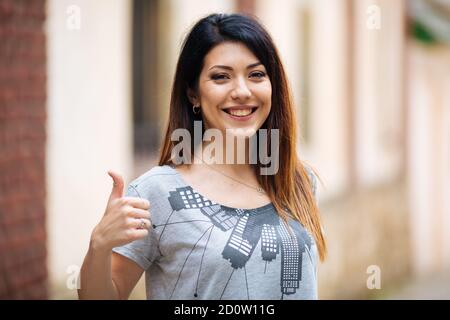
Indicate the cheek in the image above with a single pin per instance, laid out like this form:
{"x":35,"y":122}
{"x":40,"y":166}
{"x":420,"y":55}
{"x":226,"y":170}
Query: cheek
{"x":213,"y":95}
{"x":264,"y":94}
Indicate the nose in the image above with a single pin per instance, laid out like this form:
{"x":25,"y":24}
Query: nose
{"x":241,"y":91}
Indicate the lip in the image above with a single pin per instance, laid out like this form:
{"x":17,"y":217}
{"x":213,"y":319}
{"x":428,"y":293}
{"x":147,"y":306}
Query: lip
{"x":237,"y":118}
{"x":244,"y":106}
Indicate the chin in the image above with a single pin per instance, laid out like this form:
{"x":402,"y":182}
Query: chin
{"x":242,"y":131}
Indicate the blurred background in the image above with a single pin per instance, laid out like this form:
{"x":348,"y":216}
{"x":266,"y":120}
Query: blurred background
{"x":84,"y":88}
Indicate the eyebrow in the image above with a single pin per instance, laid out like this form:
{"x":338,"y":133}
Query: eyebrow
{"x":230,"y":68}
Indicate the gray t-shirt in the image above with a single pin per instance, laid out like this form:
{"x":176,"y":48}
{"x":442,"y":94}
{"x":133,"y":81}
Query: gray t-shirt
{"x":199,"y":249}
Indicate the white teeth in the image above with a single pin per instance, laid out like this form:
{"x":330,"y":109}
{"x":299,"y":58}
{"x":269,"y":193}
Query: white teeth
{"x":240,"y":112}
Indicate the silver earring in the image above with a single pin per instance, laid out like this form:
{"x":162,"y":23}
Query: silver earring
{"x":196,"y":109}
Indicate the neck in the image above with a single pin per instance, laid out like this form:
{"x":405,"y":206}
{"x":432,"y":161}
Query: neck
{"x":234,"y":160}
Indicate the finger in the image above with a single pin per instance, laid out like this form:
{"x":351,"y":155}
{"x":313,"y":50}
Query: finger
{"x":141,"y":223}
{"x":136,"y":234}
{"x":140,"y":233}
{"x":137,"y":202}
{"x":140,"y":213}
{"x":117,"y":190}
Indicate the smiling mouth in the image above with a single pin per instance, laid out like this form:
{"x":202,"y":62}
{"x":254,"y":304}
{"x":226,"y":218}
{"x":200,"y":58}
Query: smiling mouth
{"x":240,"y":112}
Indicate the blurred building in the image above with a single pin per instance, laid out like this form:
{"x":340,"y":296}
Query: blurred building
{"x":371,"y":81}
{"x":23,"y":252}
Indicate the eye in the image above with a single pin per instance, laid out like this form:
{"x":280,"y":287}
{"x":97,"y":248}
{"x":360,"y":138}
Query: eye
{"x":258,"y":74}
{"x":220,"y":76}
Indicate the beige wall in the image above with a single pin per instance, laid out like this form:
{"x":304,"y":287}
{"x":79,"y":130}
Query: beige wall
{"x":89,"y":124}
{"x":369,"y":225}
{"x":429,"y":160}
{"x":327,"y":150}
{"x":363,"y":229}
{"x":378,"y":94}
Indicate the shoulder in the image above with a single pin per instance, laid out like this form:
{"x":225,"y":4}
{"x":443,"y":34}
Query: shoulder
{"x":153,"y":174}
{"x":154,"y":181}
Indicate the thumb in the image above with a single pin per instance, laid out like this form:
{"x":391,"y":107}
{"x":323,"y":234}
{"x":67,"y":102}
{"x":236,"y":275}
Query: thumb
{"x":117,"y":190}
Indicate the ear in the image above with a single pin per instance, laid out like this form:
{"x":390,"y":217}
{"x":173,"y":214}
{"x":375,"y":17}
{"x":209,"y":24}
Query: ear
{"x":192,"y":97}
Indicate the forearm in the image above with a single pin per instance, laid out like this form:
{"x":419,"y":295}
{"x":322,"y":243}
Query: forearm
{"x":95,"y":276}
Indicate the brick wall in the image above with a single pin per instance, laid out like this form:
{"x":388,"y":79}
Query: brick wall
{"x":23,"y":267}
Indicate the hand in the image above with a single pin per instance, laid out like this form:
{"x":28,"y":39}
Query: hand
{"x":125,"y":219}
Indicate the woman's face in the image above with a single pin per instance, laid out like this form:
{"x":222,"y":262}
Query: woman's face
{"x":234,"y":90}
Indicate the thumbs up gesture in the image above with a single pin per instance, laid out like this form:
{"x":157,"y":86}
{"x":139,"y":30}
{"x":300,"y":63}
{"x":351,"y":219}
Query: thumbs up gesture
{"x":125,"y":219}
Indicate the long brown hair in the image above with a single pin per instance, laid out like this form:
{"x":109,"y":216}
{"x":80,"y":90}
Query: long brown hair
{"x":290,"y":189}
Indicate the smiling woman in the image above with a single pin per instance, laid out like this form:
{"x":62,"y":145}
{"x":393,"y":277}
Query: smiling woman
{"x":236,"y":89}
{"x":216,"y":230}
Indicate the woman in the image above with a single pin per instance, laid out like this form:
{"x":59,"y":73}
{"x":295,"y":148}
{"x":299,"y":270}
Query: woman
{"x":209,"y":229}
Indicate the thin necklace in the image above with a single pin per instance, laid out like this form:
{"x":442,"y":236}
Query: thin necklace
{"x":259,"y":188}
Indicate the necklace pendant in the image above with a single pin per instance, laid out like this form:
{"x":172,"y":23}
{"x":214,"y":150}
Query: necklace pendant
{"x":260,"y":190}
